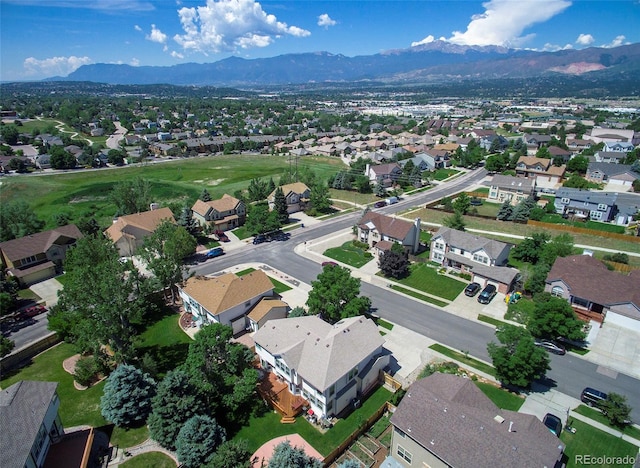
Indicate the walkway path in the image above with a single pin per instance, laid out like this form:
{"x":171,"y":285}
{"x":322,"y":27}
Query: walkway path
{"x":147,"y":446}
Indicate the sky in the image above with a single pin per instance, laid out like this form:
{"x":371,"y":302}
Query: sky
{"x":46,"y":38}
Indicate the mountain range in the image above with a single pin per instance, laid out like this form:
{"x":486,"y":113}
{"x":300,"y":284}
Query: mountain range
{"x":434,"y":62}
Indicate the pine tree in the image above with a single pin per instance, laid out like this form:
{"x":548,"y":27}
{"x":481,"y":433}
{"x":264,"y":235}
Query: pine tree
{"x":198,"y":440}
{"x":280,"y":206}
{"x":379,"y":191}
{"x":205,"y":196}
{"x":505,"y":213}
{"x":126,"y":400}
{"x":286,"y":456}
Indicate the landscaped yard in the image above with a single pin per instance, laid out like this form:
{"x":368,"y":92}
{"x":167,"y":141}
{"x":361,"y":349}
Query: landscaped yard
{"x":592,"y":442}
{"x":350,"y":254}
{"x":463,"y":358}
{"x":145,"y":460}
{"x":165,"y":342}
{"x":266,"y":427}
{"x":442,"y":174}
{"x":597,"y":415}
{"x":427,"y":279}
{"x":352,"y":196}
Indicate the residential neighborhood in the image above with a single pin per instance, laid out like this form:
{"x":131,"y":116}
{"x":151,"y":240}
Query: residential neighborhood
{"x":436,"y":288}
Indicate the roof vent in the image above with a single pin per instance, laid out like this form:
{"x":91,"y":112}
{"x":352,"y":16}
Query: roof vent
{"x":433,"y":441}
{"x":499,"y":419}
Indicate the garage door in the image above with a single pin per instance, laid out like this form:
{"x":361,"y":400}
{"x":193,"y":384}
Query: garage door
{"x":239,"y":325}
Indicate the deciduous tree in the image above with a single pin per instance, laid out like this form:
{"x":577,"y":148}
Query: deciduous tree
{"x":319,"y":198}
{"x":17,"y":220}
{"x":131,"y":196}
{"x":394,"y":263}
{"x":231,"y":454}
{"x":517,"y":360}
{"x":616,"y":409}
{"x":126,"y":400}
{"x":336,"y":294}
{"x":553,"y":317}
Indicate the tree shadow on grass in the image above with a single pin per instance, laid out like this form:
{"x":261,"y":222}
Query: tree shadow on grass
{"x":158,"y":360}
{"x":158,"y":309}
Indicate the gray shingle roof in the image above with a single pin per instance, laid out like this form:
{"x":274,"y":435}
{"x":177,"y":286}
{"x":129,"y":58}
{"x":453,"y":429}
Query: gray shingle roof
{"x":451,"y":417}
{"x":23,"y":407}
{"x":611,"y":169}
{"x":321,"y":353}
{"x":513,"y":183}
{"x":470,"y":242}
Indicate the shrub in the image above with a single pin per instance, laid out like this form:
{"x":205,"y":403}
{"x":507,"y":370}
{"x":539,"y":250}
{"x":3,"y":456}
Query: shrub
{"x":86,"y":371}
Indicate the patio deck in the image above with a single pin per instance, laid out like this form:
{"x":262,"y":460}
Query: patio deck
{"x":277,"y":393}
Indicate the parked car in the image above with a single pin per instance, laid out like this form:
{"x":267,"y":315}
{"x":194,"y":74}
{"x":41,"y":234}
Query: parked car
{"x":487,"y":294}
{"x":551,"y":346}
{"x":553,"y":423}
{"x":215,"y":252}
{"x":222,"y":237}
{"x":279,"y":236}
{"x":380,"y":204}
{"x":260,"y":238}
{"x":472,"y":289}
{"x":32,"y":311}
{"x":592,"y":397}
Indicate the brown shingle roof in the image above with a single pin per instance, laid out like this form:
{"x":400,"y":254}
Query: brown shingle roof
{"x":40,"y":242}
{"x":451,"y":417}
{"x":147,"y":221}
{"x":296,"y":187}
{"x":588,"y":278}
{"x":265,"y":306}
{"x":386,"y":225}
{"x":226,"y":203}
{"x":228,"y":290}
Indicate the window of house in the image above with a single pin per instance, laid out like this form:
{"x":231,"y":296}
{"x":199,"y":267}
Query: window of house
{"x":557,"y":291}
{"x":332,"y":390}
{"x":596,"y":215}
{"x":402,"y":453}
{"x":439,"y":246}
{"x":401,"y":433}
{"x":352,"y":373}
{"x":602,"y":207}
{"x":438,"y":256}
{"x":564,"y":201}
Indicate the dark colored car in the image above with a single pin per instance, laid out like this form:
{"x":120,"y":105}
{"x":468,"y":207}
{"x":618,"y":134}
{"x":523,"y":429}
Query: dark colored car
{"x":487,"y":294}
{"x":553,"y":423}
{"x":279,"y":236}
{"x":592,"y":397}
{"x":222,"y":237}
{"x":215,"y":252}
{"x":380,"y":204}
{"x":260,"y":238}
{"x":472,"y":289}
{"x":551,"y":346}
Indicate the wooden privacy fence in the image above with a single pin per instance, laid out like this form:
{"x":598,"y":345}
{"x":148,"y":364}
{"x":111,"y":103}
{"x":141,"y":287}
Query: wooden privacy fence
{"x":577,"y":230}
{"x":390,"y":382}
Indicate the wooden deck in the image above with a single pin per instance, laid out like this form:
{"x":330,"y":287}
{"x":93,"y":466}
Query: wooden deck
{"x":277,"y":393}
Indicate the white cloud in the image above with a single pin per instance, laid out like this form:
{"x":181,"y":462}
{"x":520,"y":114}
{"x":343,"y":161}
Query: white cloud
{"x":54,"y":66}
{"x":426,"y":40}
{"x":156,"y":35}
{"x":324,"y":20}
{"x":554,"y":47}
{"x":618,"y":41}
{"x":504,"y":21}
{"x":177,"y":55}
{"x":134,"y":62}
{"x":229,"y":25}
{"x":585,"y":39}
{"x":137,"y":28}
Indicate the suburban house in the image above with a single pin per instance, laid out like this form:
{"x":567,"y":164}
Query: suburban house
{"x":614,"y":157}
{"x":438,"y":158}
{"x":618,"y":146}
{"x":596,"y":293}
{"x":385,"y":174}
{"x":446,"y":421}
{"x":225,"y":299}
{"x":128,"y":232}
{"x":39,"y":256}
{"x":484,"y":259}
{"x":381,"y":232}
{"x":596,"y":205}
{"x":421,"y":161}
{"x":223,"y":214}
{"x":29,"y":423}
{"x":268,"y":308}
{"x":297,"y":195}
{"x":611,"y":173}
{"x":541,"y":169}
{"x":331,"y":366}
{"x":513,"y":189}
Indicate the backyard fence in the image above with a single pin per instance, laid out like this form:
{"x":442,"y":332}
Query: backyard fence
{"x":391,"y":383}
{"x":577,"y":230}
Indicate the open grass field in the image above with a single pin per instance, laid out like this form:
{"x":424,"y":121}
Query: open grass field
{"x":84,"y":193}
{"x":592,"y":442}
{"x":427,"y":279}
{"x":266,"y":427}
{"x":442,"y":174}
{"x":435,"y":216}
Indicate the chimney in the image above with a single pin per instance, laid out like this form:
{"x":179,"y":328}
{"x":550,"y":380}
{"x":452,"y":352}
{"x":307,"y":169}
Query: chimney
{"x":154,"y":206}
{"x":510,"y":426}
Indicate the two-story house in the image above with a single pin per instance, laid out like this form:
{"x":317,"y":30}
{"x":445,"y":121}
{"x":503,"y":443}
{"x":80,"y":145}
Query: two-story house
{"x":381,"y":232}
{"x":384,"y":174}
{"x":594,"y":292}
{"x":296,"y":194}
{"x":585,"y":204}
{"x":513,"y":189}
{"x":484,"y":259}
{"x":445,"y":421}
{"x":223,"y":214}
{"x":29,"y":423}
{"x":128,"y":232}
{"x":226,"y":299}
{"x":38,"y":256}
{"x":542,"y":170}
{"x":329,"y":365}
{"x":611,"y":173}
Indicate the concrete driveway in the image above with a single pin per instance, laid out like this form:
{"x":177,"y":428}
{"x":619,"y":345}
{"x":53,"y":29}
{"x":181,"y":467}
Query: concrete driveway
{"x":47,"y":290}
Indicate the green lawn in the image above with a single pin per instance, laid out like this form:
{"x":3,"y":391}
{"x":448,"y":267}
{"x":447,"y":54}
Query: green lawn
{"x":349,"y":254}
{"x":165,"y":342}
{"x":264,"y":428}
{"x":463,"y":358}
{"x":427,"y":279}
{"x":241,"y":233}
{"x":145,"y":460}
{"x":352,"y":196}
{"x":278,"y":287}
{"x":597,"y":415}
{"x":422,"y":297}
{"x":501,"y":398}
{"x":490,"y":320}
{"x":589,"y":441}
{"x":442,"y":174}
{"x":28,"y":294}
{"x":126,"y":438}
{"x":86,"y":193}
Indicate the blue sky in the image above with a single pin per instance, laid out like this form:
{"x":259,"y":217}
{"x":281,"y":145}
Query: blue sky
{"x":44,"y":38}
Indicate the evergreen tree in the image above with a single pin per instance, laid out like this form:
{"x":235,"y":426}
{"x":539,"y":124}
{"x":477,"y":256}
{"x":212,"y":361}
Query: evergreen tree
{"x":198,"y":440}
{"x":126,"y":400}
{"x":378,"y":190}
{"x":186,"y":220}
{"x":272,"y":185}
{"x":205,"y":196}
{"x":505,"y":213}
{"x":286,"y":456}
{"x":455,"y":221}
{"x":319,"y":198}
{"x":280,"y":206}
{"x":338,"y":181}
{"x":462,"y":203}
{"x":176,"y":401}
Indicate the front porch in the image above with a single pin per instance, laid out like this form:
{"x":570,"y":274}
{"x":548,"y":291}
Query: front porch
{"x":277,"y":393}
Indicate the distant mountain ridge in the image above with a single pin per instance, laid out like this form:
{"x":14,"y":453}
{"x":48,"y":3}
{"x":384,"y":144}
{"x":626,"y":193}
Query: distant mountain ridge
{"x":433,"y":62}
